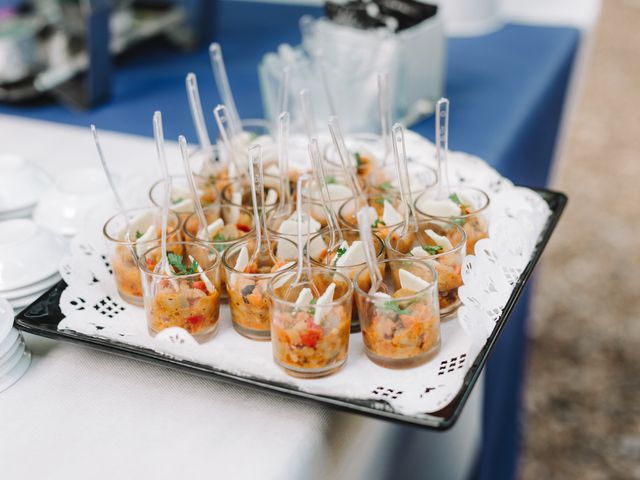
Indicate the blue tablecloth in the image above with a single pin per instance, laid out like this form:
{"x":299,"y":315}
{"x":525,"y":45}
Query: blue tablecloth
{"x":506,"y":90}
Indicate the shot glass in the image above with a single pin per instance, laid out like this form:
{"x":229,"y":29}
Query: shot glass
{"x":231,"y":233}
{"x":188,"y":296}
{"x":180,"y":195}
{"x":247,"y":288}
{"x":446,"y":261}
{"x":339,"y":193}
{"x":327,"y":259}
{"x":400,"y":323}
{"x":366,"y":152}
{"x":124,"y":247}
{"x":384,"y":180}
{"x":472,"y":204}
{"x":238,"y":193}
{"x":310,"y":340}
{"x":349,"y":210}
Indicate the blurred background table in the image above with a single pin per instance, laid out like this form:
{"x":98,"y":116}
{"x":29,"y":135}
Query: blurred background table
{"x":508,"y":92}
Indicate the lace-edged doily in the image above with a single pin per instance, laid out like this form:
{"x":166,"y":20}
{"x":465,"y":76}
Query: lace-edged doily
{"x":91,"y":306}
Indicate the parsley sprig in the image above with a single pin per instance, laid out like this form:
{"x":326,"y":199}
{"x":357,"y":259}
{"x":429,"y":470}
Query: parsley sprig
{"x":386,"y":186}
{"x":394,"y":307}
{"x":138,"y":234}
{"x":329,"y":180}
{"x":178,"y":266}
{"x":378,"y":223}
{"x":341,"y":251}
{"x":358,"y":159}
{"x":432,"y":249}
{"x":454,"y":198}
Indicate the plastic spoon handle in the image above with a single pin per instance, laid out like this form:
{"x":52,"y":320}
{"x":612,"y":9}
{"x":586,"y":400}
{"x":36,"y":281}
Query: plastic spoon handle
{"x":364,"y":226}
{"x":307,"y":114}
{"x":184,"y":150}
{"x":162,"y":158}
{"x":223,"y":122}
{"x":400,"y":156}
{"x":283,"y":163}
{"x":222,"y":82}
{"x":195,"y":105}
{"x":384,"y":110}
{"x":318,"y":168}
{"x":442,"y":146}
{"x":320,"y":60}
{"x":343,"y":154}
{"x":283,"y":94}
{"x":300,"y":238}
{"x":107,"y":172}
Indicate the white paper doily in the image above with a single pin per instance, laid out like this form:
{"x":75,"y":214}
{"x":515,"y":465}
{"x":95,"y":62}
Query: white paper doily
{"x":92,"y":306}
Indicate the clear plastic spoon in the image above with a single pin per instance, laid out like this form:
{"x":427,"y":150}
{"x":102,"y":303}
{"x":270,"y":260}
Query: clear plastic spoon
{"x":222,"y":82}
{"x":257,"y":199}
{"x":184,"y":150}
{"x":400,"y":156}
{"x":442,"y":147}
{"x":283,"y":94}
{"x":162,"y":158}
{"x":223,"y":122}
{"x":306,"y":106}
{"x":343,"y":154}
{"x":384,"y":111}
{"x":195,"y":105}
{"x":364,"y":226}
{"x":336,"y":238}
{"x":283,"y":210}
{"x":111,"y":181}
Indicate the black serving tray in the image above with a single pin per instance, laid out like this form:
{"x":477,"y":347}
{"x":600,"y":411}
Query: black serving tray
{"x":42,"y":318}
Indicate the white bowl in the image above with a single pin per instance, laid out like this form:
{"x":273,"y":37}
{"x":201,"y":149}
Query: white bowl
{"x":28,"y":253}
{"x":16,"y":372}
{"x":6,"y":318}
{"x":74,"y":194}
{"x":21,"y":183}
{"x":9,"y":342}
{"x":32,"y":289}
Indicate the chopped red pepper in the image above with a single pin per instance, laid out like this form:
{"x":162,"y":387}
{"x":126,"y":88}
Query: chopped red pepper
{"x":194,"y":320}
{"x":200,"y":285}
{"x":311,"y":335}
{"x":243,"y":228}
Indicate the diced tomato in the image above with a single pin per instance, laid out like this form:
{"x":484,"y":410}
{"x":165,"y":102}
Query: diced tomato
{"x":194,"y":320}
{"x":243,"y":228}
{"x":311,"y":335}
{"x":200,"y":285}
{"x":151,"y":264}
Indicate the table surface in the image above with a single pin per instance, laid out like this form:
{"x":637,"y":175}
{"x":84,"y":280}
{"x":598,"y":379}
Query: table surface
{"x":506,"y":90}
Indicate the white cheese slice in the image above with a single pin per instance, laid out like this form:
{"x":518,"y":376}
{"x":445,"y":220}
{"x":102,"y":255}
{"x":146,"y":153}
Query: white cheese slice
{"x":316,"y":247}
{"x":440,"y":240}
{"x":412,"y":282}
{"x":284,"y":266}
{"x":372,"y":213}
{"x":321,"y":309}
{"x":139,"y":223}
{"x":150,"y":234}
{"x":272,"y":170}
{"x":203,"y":277}
{"x":439,"y":208}
{"x":391,"y":216}
{"x":284,"y":248}
{"x":304,"y":297}
{"x":314,"y":227}
{"x":272,"y":197}
{"x":419,"y":252}
{"x":353,"y":256}
{"x":183,"y":206}
{"x":234,"y":212}
{"x":382,"y":295}
{"x":214,"y":228}
{"x":241,"y":263}
{"x":343,"y":246}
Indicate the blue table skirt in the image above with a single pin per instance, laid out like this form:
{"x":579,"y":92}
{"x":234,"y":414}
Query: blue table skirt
{"x":506,"y":89}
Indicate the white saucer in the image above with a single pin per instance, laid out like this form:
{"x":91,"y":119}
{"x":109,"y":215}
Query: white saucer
{"x":9,"y":361}
{"x":8,"y":343}
{"x":31,"y":289}
{"x":28,"y":253}
{"x":21,"y":183}
{"x":17,"y":372}
{"x":6,"y":318}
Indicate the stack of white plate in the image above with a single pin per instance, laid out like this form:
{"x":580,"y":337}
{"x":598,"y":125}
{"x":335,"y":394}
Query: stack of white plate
{"x":29,"y":259}
{"x":15,"y":358}
{"x":21,"y":186}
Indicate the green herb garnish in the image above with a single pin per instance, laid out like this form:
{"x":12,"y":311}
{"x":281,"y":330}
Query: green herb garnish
{"x":386,"y":186}
{"x":341,"y":251}
{"x":394,"y":307}
{"x":178,"y":266}
{"x":377,"y":223}
{"x":432,"y":249}
{"x":219,"y":238}
{"x":138,"y":234}
{"x":313,"y":301}
{"x":329,"y":180}
{"x":177,"y":200}
{"x":458,"y":221}
{"x":454,"y":198}
{"x":358,"y":159}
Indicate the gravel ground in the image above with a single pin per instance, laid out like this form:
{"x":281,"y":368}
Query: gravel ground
{"x":583,"y":385}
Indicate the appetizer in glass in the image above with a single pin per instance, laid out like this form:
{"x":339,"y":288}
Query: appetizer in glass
{"x":310,"y":324}
{"x":401,"y":321}
{"x":465,"y":206}
{"x":181,"y":200}
{"x":443,"y":245}
{"x":184,"y":290}
{"x":385,"y":212}
{"x":128,"y":236}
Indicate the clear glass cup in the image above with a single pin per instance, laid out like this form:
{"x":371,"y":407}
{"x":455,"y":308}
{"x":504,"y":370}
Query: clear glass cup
{"x":189,"y":297}
{"x":231,"y":233}
{"x":243,"y":186}
{"x":339,"y":193}
{"x":402,"y":329}
{"x":348,"y":211}
{"x":472,"y":215}
{"x":446,"y":261}
{"x":310,"y":341}
{"x":350,"y":235}
{"x":247,"y":289}
{"x":385,"y":179}
{"x":124,"y":247}
{"x":366,"y":149}
{"x":209,"y":196}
